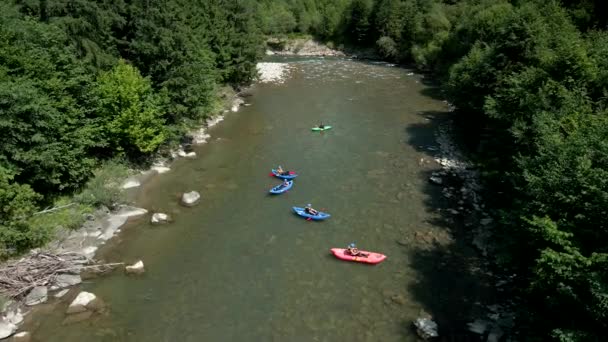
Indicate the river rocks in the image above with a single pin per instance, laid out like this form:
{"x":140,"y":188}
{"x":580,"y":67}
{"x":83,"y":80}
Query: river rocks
{"x":7,"y":329}
{"x":426,"y":328}
{"x":23,"y":336}
{"x":159,"y":218}
{"x":130,"y":183}
{"x":272,"y":72}
{"x":190,"y":198}
{"x":66,"y":280}
{"x":136,"y":268}
{"x":36,"y":296}
{"x":185,"y":154}
{"x":83,"y":302}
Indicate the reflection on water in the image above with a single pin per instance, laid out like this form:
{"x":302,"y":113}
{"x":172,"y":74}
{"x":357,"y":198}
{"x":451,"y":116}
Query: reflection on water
{"x":241,"y":266}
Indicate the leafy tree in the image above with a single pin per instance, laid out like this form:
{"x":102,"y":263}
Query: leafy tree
{"x":130,"y":111}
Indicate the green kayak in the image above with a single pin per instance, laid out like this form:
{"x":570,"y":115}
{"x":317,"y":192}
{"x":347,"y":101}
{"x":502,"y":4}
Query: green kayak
{"x":325,"y":128}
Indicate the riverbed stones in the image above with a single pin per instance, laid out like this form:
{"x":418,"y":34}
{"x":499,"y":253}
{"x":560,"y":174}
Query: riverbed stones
{"x":66,"y":280}
{"x":36,"y":296}
{"x":85,"y":301}
{"x":190,"y":198}
{"x":436,"y":180}
{"x":160,"y":169}
{"x":23,"y":336}
{"x":136,"y":268}
{"x":159,"y":218}
{"x":61,"y":293}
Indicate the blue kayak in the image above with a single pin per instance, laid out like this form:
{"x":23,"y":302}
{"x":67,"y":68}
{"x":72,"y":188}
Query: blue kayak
{"x":320,"y":215}
{"x":281,"y":188}
{"x":291,"y":175}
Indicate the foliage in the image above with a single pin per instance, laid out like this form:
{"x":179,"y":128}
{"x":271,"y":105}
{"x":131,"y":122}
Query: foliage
{"x":105,"y":187}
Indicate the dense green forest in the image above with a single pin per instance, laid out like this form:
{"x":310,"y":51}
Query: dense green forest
{"x":529,"y":80}
{"x":86,"y":82}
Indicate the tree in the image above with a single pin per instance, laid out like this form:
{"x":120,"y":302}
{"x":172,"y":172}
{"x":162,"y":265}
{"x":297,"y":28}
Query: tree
{"x":130,"y":111}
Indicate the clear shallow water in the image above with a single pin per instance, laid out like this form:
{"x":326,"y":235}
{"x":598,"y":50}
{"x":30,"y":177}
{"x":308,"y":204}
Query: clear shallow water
{"x":241,"y":266}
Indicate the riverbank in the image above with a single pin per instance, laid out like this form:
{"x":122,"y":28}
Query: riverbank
{"x":309,"y":47}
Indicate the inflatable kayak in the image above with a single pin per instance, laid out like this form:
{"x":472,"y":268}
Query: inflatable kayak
{"x":291,"y":175}
{"x":320,"y":215}
{"x":370,"y":258}
{"x":317,"y":129}
{"x":281,"y":188}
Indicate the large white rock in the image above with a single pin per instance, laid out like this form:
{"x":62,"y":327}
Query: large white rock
{"x":159,"y":218}
{"x":190,"y":198}
{"x":160,"y":169}
{"x":131,"y":183}
{"x":36,"y":296}
{"x":65,"y":280}
{"x":7,"y":329}
{"x":83,"y":302}
{"x":136,"y":268}
{"x":185,"y":154}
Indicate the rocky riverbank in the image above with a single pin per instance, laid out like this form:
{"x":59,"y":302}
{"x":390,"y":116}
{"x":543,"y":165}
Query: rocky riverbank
{"x":74,"y":250}
{"x":313,"y":48}
{"x":462,"y":186}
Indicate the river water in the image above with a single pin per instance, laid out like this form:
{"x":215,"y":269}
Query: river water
{"x":240,"y":266}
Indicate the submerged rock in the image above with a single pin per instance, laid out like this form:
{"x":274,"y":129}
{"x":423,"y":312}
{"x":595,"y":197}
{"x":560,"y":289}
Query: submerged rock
{"x":190,"y":198}
{"x":426,"y":328}
{"x":37,"y":295}
{"x":23,"y":336}
{"x":136,"y":268}
{"x":159,"y":218}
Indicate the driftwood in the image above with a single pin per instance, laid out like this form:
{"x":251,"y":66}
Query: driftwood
{"x":48,"y":210}
{"x":18,"y":277}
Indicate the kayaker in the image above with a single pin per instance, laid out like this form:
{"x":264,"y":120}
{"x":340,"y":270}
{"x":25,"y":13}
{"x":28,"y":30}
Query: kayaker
{"x":321,"y":126}
{"x":354,"y":251}
{"x":310,"y":210}
{"x":281,"y":171}
{"x":285,"y":183}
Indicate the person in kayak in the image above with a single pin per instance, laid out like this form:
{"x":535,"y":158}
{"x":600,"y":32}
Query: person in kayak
{"x":285,"y":183}
{"x":321,"y":126}
{"x":281,"y":171}
{"x":310,"y":210}
{"x":354,"y":251}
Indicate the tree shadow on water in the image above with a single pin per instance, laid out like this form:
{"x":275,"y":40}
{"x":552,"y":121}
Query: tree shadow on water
{"x":452,"y":285}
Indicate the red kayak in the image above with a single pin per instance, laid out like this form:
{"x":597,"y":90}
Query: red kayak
{"x":369,"y":258}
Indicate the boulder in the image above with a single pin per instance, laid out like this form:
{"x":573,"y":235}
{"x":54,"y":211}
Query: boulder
{"x":190,"y":198}
{"x":36,"y":296}
{"x":136,"y":268}
{"x":83,"y":302}
{"x":23,"y":336}
{"x":7,"y":329}
{"x":426,"y":328}
{"x":66,"y":280}
{"x":185,"y":154}
{"x":159,"y":218}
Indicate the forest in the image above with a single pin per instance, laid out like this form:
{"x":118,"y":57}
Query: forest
{"x":90,"y":85}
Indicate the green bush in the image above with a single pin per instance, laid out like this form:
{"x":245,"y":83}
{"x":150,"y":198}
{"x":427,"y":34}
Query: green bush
{"x":105,"y":186}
